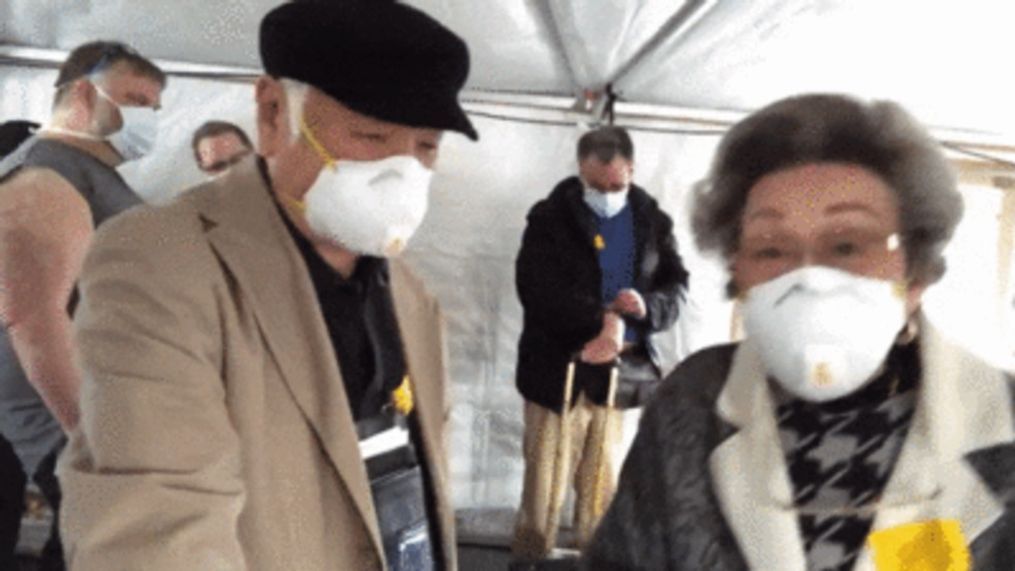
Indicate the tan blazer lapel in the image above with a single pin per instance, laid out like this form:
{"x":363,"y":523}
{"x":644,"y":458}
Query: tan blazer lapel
{"x":420,"y":326}
{"x":962,"y":407}
{"x":749,"y":471}
{"x":247,"y":231}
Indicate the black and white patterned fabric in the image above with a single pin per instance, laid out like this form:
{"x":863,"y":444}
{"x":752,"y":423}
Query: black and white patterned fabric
{"x":667,"y":514}
{"x":840,"y":455}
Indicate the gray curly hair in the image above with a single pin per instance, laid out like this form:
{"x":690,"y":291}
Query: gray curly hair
{"x":879,"y":136}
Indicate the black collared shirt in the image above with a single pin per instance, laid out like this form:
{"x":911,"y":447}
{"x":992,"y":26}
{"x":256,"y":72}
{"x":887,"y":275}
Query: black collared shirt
{"x":360,"y":316}
{"x":359,"y":313}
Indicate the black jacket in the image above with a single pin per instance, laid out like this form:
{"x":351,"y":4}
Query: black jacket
{"x":666,"y":514}
{"x":559,"y":284}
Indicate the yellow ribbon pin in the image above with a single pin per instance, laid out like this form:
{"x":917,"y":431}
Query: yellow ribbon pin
{"x":599,"y":243}
{"x":936,"y":545}
{"x":401,"y":398}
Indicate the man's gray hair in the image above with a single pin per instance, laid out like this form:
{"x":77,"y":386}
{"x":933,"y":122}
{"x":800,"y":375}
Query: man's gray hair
{"x":879,"y":136}
{"x":296,"y":99}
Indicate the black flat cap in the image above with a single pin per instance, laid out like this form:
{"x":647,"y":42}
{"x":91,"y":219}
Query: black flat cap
{"x":379,"y":58}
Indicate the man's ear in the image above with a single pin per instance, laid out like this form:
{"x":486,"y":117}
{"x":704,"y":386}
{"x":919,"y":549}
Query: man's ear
{"x":272,"y":122}
{"x":80,"y":102}
{"x":79,"y":106}
{"x":85,"y":92}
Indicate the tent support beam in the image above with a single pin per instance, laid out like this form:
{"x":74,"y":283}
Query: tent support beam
{"x":52,"y":59}
{"x":678,"y":25}
{"x":559,"y":106}
{"x":559,"y":40}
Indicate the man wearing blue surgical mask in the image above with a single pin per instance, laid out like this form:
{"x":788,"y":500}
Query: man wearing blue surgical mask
{"x":55,"y":188}
{"x":598,"y":274}
{"x":276,"y":399}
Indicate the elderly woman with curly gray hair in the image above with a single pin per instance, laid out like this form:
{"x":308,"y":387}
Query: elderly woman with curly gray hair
{"x":845,"y":432}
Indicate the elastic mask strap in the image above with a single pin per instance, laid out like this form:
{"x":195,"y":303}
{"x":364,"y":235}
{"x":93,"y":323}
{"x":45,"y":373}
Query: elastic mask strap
{"x":101,"y":91}
{"x":296,"y":206}
{"x":316,"y":145}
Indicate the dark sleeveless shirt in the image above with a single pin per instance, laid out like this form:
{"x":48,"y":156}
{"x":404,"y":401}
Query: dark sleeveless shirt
{"x":24,"y":419}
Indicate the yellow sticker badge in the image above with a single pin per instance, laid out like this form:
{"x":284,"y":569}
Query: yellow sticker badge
{"x":936,"y":545}
{"x":401,"y":398}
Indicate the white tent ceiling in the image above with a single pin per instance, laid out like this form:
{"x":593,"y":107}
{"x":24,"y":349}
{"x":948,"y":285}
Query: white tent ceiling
{"x":943,"y":60}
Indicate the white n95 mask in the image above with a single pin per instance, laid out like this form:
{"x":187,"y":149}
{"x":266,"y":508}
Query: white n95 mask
{"x":136,"y":138}
{"x":606,"y":204}
{"x":369,"y":207}
{"x":823,"y":333}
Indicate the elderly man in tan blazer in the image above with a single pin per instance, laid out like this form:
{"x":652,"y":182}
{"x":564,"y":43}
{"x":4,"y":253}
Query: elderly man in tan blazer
{"x":263,"y":388}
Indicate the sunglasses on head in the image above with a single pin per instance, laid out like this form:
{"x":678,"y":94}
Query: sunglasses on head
{"x":110,"y":54}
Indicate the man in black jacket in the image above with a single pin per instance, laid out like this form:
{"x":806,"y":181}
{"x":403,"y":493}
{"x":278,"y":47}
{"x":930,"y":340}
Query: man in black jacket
{"x":598,"y":273}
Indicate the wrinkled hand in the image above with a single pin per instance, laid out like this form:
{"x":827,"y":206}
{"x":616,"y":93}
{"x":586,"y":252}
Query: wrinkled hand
{"x":607,"y":345}
{"x":630,"y":302}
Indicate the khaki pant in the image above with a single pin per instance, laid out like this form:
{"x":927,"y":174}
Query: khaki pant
{"x":593,"y":434}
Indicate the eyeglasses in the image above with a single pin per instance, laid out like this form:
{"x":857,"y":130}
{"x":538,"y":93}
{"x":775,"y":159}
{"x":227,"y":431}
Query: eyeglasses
{"x":855,"y":250}
{"x":219,"y":166}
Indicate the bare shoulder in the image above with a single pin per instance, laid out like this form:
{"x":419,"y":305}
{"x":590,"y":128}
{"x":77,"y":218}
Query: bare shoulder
{"x":34,"y":193}
{"x":41,"y":211}
{"x":36,"y":178}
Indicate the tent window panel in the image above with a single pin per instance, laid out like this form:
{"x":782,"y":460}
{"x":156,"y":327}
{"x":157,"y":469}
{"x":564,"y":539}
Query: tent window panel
{"x":973,"y":302}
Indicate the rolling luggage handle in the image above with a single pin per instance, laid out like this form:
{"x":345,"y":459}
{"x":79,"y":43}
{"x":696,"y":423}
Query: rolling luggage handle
{"x":563,"y":448}
{"x":603,"y":418}
{"x":560,"y":457}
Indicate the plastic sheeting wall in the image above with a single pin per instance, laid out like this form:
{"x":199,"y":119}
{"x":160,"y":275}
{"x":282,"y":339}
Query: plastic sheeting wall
{"x":467,"y":245}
